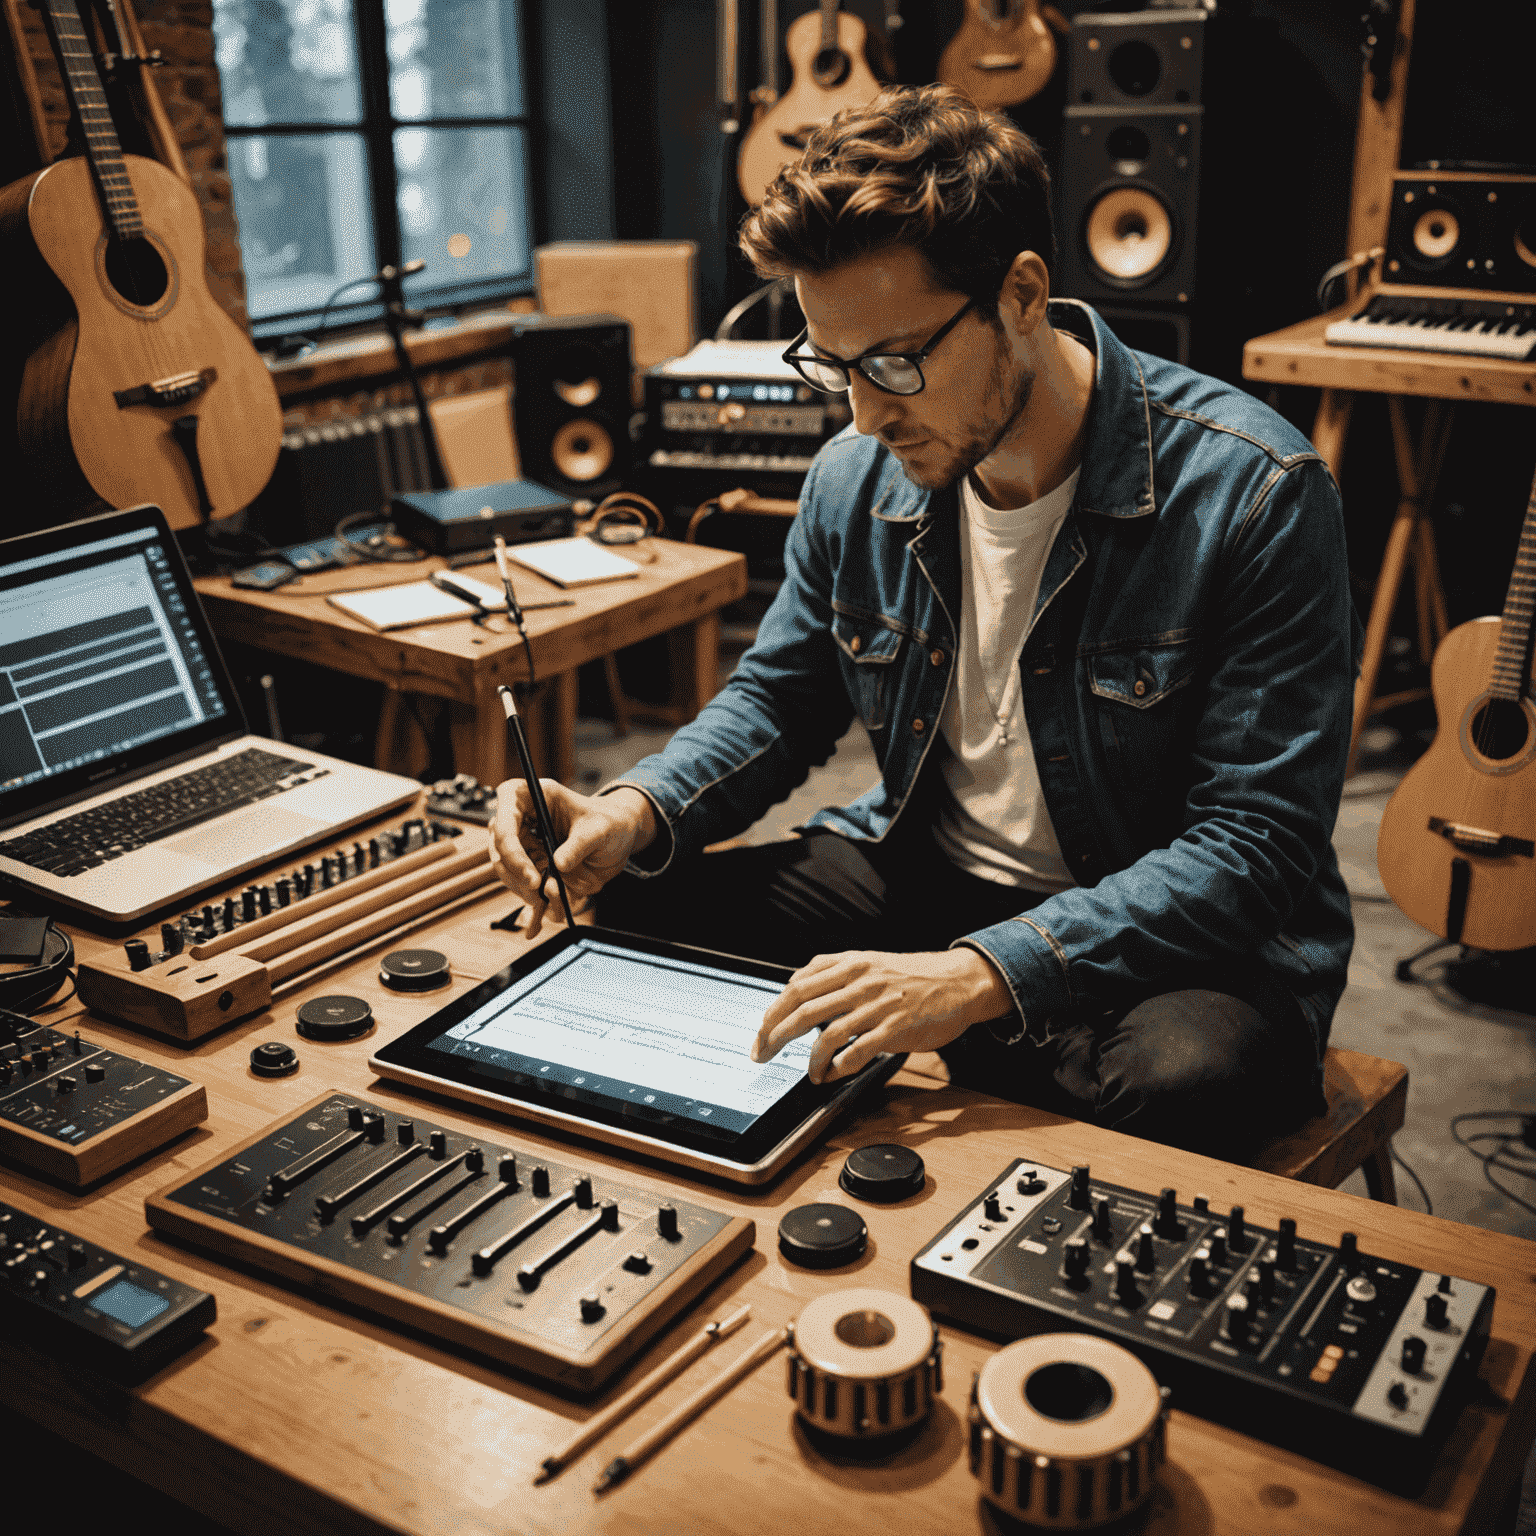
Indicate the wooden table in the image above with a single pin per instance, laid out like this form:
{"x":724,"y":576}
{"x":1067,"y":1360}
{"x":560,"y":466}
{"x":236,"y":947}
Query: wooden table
{"x":300,"y":1415}
{"x":679,"y":592}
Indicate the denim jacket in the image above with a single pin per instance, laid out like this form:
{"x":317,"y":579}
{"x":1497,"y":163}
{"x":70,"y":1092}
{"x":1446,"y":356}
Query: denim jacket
{"x":1187,"y":682}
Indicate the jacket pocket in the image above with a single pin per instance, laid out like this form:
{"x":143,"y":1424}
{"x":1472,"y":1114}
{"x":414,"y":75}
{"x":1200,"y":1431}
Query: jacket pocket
{"x":867,"y":647}
{"x":1143,"y":705}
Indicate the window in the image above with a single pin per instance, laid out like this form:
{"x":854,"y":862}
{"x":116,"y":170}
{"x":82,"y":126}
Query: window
{"x":366,"y":132}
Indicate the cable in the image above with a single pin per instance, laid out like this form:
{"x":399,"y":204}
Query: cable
{"x":29,"y":990}
{"x":1511,"y":1144}
{"x":376,"y":548}
{"x":1341,"y":268}
{"x":736,"y":311}
{"x":1397,"y":1157}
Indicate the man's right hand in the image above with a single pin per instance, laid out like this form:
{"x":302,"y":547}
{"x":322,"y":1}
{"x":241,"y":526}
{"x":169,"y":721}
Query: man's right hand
{"x":595,"y":837}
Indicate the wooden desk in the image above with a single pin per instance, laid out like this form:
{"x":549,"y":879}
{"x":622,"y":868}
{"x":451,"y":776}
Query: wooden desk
{"x":679,"y":593}
{"x":299,"y":1415}
{"x":1299,"y":355}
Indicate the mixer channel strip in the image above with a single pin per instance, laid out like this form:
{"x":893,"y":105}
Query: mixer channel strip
{"x":1360,"y":1362}
{"x":535,"y":1264}
{"x":76,"y":1111}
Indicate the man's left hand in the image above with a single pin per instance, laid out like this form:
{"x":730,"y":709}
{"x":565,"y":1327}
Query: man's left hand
{"x":871,"y":1002}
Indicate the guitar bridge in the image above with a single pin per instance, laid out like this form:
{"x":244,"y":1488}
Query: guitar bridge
{"x":177,"y":389}
{"x":1495,"y":845}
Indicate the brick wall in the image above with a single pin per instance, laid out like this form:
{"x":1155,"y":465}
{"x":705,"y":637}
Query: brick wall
{"x":188,"y":83}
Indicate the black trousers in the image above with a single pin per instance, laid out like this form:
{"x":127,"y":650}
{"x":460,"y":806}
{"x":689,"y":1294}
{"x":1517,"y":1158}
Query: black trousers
{"x":1217,"y":1061}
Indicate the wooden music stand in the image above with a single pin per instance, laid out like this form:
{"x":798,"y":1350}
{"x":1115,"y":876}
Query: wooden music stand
{"x":1300,"y":355}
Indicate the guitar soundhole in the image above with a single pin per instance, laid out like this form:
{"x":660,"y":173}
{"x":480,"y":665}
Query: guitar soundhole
{"x":1500,"y":729}
{"x":830,"y":67}
{"x":135,"y":270}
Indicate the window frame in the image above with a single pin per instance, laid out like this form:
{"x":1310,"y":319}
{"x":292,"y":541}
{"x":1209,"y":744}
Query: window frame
{"x":377,"y":127}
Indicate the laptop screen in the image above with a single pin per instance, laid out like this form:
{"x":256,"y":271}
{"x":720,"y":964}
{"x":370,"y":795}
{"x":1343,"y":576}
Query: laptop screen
{"x":107,"y":666}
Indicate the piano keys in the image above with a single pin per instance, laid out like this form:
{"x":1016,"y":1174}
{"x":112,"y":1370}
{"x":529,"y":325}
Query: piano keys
{"x":1416,"y":323}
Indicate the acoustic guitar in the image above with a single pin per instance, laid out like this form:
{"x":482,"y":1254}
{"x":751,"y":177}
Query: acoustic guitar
{"x":1003,"y":54}
{"x":136,"y":385}
{"x":1457,"y":846}
{"x":826,"y":48}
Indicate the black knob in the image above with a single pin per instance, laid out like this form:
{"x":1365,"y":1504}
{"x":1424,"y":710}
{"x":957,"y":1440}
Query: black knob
{"x":264,"y":899}
{"x":437,"y":1144}
{"x":1266,"y":1273}
{"x":583,"y":1188}
{"x":373,"y":853}
{"x":1218,"y":1246}
{"x":1413,"y":1354}
{"x":474,"y":1160}
{"x":1445,"y":1284}
{"x":359,"y":859}
{"x":1285,"y":1250}
{"x":591,"y":1308}
{"x":1200,"y":1274}
{"x":1397,"y":1395}
{"x":137,"y":952}
{"x":1237,"y":1231}
{"x":1075,"y":1258}
{"x":541,"y":1182}
{"x":1435,"y":1315}
{"x":284,"y":891}
{"x":1202,"y":1203}
{"x":666,"y":1222}
{"x":1102,"y":1230}
{"x":1168,"y":1224}
{"x":172,"y":938}
{"x":1146,"y":1254}
{"x":66,"y":1083}
{"x":308,"y":873}
{"x":1349,"y":1252}
{"x":1030,"y":1182}
{"x":75,"y":1255}
{"x":1078,"y":1199}
{"x":1236,"y":1325}
{"x":327,"y":872}
{"x":42,"y":1056}
{"x":248,"y":904}
{"x":227,"y":915}
{"x":77,"y":1044}
{"x":506,"y":1169}
{"x":210,"y":921}
{"x":373,"y":1124}
{"x":638,"y":1263}
{"x":94,"y":1072}
{"x":610,"y":1215}
{"x":1125,"y":1282}
{"x":405,"y":1132}
{"x":994,"y":1209}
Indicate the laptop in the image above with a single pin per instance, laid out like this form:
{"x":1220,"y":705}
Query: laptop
{"x":128,"y":779}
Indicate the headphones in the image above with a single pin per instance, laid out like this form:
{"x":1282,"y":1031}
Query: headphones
{"x":26,"y":990}
{"x":624,"y":518}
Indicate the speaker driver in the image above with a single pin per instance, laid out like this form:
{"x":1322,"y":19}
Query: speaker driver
{"x":1525,"y":241}
{"x":1129,"y":234}
{"x":582,"y":450}
{"x":578,"y":394}
{"x":1436,"y":234}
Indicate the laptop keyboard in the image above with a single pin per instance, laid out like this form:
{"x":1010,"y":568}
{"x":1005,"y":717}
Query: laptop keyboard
{"x":91,"y":838}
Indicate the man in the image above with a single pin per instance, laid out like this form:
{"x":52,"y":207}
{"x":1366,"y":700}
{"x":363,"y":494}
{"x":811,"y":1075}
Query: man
{"x":1092,"y":608}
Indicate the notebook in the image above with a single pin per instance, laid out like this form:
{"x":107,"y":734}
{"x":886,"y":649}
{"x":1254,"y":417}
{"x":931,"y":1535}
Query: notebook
{"x":573,"y":562}
{"x":128,"y":779}
{"x":399,"y":607}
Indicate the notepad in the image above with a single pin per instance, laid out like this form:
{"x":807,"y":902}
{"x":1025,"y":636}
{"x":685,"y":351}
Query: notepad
{"x":573,"y":562}
{"x":412,"y":602}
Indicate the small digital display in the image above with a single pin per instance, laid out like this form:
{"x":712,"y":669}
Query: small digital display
{"x":130,"y":1304}
{"x":655,"y":1032}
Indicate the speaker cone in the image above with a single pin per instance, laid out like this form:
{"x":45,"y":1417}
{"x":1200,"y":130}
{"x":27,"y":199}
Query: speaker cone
{"x":1129,"y":235}
{"x":578,"y":393}
{"x":582,"y":450}
{"x":1525,"y":241}
{"x":1436,"y":234}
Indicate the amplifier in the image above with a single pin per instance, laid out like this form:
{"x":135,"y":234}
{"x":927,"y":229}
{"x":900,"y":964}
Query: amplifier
{"x":733,"y":413}
{"x":447,"y":522}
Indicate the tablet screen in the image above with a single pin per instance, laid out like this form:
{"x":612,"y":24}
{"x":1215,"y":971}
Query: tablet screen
{"x":668,"y":1033}
{"x":633,"y":1034}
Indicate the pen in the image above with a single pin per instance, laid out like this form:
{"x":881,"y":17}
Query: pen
{"x":445,"y":583}
{"x":540,"y":805}
{"x":621,"y":1466}
{"x":641,"y":1391}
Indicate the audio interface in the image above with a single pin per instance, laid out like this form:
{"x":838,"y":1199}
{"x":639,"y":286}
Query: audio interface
{"x":1357,"y":1361}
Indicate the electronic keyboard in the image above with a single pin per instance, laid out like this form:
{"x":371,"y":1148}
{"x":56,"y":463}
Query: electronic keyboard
{"x":1415,"y":323}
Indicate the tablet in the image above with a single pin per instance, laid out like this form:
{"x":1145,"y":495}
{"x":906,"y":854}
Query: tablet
{"x":637,"y":1043}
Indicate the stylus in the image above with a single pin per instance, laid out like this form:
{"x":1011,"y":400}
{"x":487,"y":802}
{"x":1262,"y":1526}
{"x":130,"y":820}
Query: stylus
{"x":540,"y":805}
{"x":621,"y":1466}
{"x":640,"y":1392}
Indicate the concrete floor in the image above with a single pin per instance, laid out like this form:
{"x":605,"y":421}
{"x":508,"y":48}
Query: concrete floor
{"x":1462,"y":1056}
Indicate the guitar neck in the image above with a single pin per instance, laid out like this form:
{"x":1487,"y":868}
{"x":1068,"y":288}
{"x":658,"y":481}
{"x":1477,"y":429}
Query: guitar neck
{"x":83,"y":86}
{"x":1511,"y":665}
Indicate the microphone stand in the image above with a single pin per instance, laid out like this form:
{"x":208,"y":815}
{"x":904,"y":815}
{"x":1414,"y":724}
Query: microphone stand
{"x":397,"y":319}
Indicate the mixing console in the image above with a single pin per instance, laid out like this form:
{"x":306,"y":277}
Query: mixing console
{"x":1353,"y":1360}
{"x":76,"y":1110}
{"x":531,"y":1262}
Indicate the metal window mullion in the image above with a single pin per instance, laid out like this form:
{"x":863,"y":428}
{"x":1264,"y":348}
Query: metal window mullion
{"x":378,"y":128}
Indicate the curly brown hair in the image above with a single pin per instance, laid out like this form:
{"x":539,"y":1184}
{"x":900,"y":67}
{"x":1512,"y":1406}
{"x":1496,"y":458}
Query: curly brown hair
{"x":919,"y":166}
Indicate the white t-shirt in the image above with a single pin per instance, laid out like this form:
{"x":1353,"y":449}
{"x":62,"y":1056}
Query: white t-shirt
{"x":992,"y":818}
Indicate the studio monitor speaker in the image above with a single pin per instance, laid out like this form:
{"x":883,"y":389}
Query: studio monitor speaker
{"x":1136,"y":59}
{"x":1127,"y":204}
{"x":571,"y":403}
{"x":1461,"y":229}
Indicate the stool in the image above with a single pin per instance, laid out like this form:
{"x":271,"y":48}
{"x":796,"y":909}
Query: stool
{"x":1367,"y":1102}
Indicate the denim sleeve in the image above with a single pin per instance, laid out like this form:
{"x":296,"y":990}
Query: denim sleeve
{"x":782,"y":713}
{"x":1261,"y":784}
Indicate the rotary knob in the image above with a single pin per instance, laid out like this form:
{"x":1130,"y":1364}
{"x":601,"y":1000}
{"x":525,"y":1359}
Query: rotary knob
{"x":437,"y":1144}
{"x":1146,"y":1253}
{"x":1168,"y":1224}
{"x":1102,"y":1230}
{"x":1285,"y":1250}
{"x":993,"y":1208}
{"x":1435,"y":1314}
{"x":1217,"y":1246}
{"x":1413,"y":1354}
{"x":591,"y":1308}
{"x":583,"y":1188}
{"x":1126,"y":1288}
{"x":1349,"y":1252}
{"x":541,"y":1181}
{"x":1200,"y":1274}
{"x":1237,"y":1230}
{"x":1075,"y":1258}
{"x":1236,"y":1326}
{"x":1078,"y":1198}
{"x":666,"y":1223}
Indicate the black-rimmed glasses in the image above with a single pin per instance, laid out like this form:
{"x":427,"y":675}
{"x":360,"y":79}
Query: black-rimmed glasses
{"x":897,"y":373}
